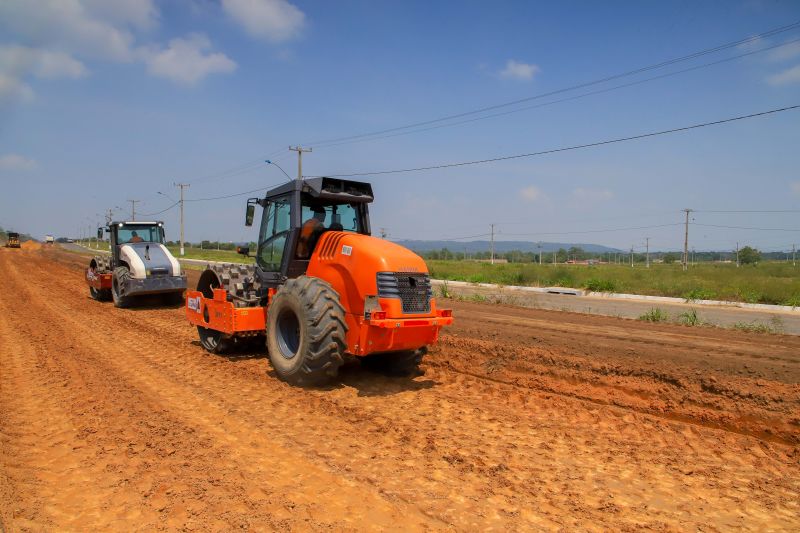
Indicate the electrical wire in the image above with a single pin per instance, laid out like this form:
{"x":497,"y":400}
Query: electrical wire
{"x":610,"y":230}
{"x":232,"y":195}
{"x":553,"y":102}
{"x":754,"y":38}
{"x":741,"y":227}
{"x":563,"y":149}
{"x":747,"y":211}
{"x":253,"y":164}
{"x":159,"y":212}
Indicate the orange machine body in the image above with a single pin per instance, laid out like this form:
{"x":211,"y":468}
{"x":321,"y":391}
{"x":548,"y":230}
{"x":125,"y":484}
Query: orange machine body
{"x":349,"y":262}
{"x":98,"y":280}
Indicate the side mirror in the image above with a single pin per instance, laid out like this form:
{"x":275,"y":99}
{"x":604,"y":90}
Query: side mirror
{"x":251,"y":212}
{"x":100,"y":233}
{"x":243,"y":250}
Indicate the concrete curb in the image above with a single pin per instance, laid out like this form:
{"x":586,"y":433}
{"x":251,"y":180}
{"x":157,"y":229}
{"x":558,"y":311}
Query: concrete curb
{"x":621,"y":296}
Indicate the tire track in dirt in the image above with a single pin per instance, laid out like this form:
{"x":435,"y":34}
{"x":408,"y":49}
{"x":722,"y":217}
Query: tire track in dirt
{"x":472,"y":452}
{"x":253,"y":474}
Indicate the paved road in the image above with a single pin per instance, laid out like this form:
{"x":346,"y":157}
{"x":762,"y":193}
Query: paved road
{"x":782,"y":321}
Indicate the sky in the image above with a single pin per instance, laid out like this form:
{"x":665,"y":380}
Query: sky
{"x":104,"y":101}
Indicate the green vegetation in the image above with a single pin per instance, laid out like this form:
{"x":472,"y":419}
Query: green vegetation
{"x":690,"y":318}
{"x":600,"y":285}
{"x":210,"y":255}
{"x":770,"y":282}
{"x":654,"y":315}
{"x":754,"y":327}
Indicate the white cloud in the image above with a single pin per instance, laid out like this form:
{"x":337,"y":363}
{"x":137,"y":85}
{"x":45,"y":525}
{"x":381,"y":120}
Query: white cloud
{"x":754,"y":43}
{"x":20,"y":62}
{"x":16,"y":162}
{"x":142,"y":14}
{"x":592,"y":195}
{"x":787,"y":77}
{"x":519,"y":71}
{"x":531,"y":194}
{"x":74,"y":26}
{"x":795,"y":187}
{"x":185,"y":61}
{"x":12,"y":89}
{"x":785,"y":52}
{"x":272,"y":20}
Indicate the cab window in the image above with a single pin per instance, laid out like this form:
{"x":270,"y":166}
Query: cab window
{"x":273,"y":234}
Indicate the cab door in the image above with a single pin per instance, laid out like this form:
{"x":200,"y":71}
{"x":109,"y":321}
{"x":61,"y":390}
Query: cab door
{"x":274,"y":240}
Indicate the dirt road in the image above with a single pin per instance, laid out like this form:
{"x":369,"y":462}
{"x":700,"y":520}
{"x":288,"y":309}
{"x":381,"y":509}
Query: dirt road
{"x":524,"y":420}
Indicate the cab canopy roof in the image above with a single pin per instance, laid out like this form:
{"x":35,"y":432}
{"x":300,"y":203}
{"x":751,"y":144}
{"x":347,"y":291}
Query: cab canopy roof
{"x":136,"y":222}
{"x":335,"y":189}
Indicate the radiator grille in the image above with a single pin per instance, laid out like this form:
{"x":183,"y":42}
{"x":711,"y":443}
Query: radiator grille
{"x":414,"y":290}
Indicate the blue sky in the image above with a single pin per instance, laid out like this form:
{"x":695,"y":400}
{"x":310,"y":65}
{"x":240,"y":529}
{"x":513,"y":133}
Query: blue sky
{"x":104,"y":101}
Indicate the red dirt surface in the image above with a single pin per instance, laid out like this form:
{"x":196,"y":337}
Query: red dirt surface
{"x":524,"y":420}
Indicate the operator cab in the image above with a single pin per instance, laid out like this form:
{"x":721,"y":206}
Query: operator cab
{"x":296,"y":214}
{"x":132,"y":232}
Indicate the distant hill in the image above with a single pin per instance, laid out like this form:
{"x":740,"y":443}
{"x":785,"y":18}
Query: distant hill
{"x":501,"y":246}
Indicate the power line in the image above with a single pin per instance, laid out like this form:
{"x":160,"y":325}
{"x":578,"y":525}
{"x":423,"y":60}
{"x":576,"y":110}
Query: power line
{"x":609,"y":230}
{"x":565,"y":149}
{"x":749,"y":211}
{"x":740,"y":227}
{"x":253,"y":164}
{"x":231,"y":195}
{"x":159,"y":212}
{"x":640,"y":70}
{"x":561,"y":100}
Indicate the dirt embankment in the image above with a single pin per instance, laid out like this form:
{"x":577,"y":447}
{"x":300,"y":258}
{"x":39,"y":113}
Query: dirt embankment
{"x":116,"y":419}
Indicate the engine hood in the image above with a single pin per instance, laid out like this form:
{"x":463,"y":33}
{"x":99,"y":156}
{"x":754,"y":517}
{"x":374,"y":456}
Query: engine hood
{"x":367,"y":254}
{"x":149,"y":258}
{"x":350,"y":263}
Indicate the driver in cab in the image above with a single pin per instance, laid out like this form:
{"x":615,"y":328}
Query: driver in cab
{"x":310,"y":232}
{"x":135,"y":237}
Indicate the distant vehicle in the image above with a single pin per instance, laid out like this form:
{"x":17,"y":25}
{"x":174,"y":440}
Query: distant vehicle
{"x":70,"y":240}
{"x":49,"y":239}
{"x":13,"y":240}
{"x":139,"y":264}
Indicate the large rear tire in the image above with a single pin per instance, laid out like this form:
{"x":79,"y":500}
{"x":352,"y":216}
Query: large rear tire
{"x":118,"y":280}
{"x":306,"y":331}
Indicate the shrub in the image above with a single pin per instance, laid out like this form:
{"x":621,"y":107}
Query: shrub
{"x":654,"y":315}
{"x":444,"y":290}
{"x":699,"y":294}
{"x":753,"y":327}
{"x":690,"y":318}
{"x":600,"y":285}
{"x":793,"y":300}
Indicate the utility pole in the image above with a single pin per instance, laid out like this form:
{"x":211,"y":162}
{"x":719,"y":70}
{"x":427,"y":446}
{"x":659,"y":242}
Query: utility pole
{"x":631,"y":256}
{"x":686,"y":241}
{"x":300,"y":150}
{"x":133,"y":208}
{"x":647,"y":261}
{"x":492,"y":245}
{"x":540,"y":254}
{"x":182,"y":186}
{"x":794,"y":252}
{"x":737,"y":254}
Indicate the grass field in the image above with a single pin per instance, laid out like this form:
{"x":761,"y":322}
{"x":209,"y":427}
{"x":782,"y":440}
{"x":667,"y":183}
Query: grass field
{"x":210,"y":255}
{"x":768,"y":282}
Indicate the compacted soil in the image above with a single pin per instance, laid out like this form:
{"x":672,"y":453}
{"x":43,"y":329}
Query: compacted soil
{"x":524,"y":420}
